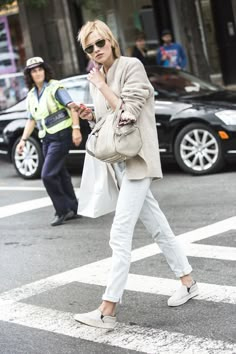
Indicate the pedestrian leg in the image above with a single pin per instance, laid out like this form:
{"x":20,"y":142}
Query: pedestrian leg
{"x":68,"y":189}
{"x":156,"y":223}
{"x":130,"y":201}
{"x":54,"y":162}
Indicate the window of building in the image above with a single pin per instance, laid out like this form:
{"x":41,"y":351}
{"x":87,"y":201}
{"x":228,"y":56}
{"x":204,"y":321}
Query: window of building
{"x":125,"y":20}
{"x":12,"y":57}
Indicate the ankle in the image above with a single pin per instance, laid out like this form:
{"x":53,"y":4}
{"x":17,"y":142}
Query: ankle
{"x":108,"y":308}
{"x":187,"y":281}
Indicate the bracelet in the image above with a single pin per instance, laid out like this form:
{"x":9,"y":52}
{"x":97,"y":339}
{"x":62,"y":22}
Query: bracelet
{"x":77,"y":126}
{"x":24,"y":139}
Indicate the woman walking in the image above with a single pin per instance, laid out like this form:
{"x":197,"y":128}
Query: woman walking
{"x":125,"y":78}
{"x":54,"y":113}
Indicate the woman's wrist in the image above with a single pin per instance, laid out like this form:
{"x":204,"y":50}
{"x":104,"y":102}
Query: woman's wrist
{"x":101,"y":85}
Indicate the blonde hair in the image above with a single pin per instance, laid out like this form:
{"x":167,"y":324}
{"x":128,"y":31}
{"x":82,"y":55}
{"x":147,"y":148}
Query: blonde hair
{"x":103,"y":30}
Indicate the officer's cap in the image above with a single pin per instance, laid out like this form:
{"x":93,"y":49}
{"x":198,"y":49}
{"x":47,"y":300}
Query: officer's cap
{"x":33,"y":62}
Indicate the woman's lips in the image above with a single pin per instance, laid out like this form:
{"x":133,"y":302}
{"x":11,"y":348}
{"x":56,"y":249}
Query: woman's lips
{"x":99,"y":55}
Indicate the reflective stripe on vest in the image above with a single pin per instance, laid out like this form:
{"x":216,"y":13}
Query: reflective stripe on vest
{"x":47,"y":107}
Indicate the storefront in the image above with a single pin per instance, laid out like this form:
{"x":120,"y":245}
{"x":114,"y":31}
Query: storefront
{"x":124,"y":19}
{"x":12,"y":57}
{"x":225,"y":28}
{"x":12,"y":53}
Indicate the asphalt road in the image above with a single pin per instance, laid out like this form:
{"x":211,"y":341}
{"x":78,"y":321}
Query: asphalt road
{"x":48,"y":274}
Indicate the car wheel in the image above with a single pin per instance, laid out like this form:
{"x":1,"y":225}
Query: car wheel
{"x":198,"y":150}
{"x":29,"y":164}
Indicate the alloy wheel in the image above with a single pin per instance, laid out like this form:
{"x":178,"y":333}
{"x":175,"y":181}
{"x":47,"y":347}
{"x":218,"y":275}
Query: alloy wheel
{"x":27,"y":164}
{"x":199,"y":149}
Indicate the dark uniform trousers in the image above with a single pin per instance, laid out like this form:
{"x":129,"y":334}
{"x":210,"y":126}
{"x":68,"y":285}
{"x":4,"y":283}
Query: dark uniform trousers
{"x":55,"y":176}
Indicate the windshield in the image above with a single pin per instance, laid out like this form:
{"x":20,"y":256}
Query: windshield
{"x":172,"y":82}
{"x":78,"y":89}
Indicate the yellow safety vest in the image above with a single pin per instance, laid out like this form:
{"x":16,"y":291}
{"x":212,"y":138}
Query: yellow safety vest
{"x":42,"y":111}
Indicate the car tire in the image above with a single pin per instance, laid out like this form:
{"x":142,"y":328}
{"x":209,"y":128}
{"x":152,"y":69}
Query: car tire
{"x":198,"y":149}
{"x":29,"y":164}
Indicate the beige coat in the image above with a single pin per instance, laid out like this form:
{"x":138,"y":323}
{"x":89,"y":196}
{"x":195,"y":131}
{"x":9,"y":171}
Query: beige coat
{"x":128,"y":80}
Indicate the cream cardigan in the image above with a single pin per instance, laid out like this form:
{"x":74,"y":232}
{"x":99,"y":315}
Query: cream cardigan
{"x":128,"y":80}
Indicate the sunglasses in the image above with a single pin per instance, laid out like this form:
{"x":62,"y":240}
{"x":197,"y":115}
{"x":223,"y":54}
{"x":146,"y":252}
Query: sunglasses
{"x":99,"y":44}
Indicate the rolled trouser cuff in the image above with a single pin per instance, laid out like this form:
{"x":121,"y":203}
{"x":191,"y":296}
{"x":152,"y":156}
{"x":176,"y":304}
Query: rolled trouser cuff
{"x":186,"y":271}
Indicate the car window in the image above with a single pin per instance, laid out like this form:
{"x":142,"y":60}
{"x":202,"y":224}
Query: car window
{"x":178,"y":83}
{"x":78,"y":88}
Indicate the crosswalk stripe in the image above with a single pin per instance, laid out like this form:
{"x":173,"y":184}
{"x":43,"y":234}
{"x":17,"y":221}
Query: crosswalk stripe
{"x":29,"y":205}
{"x":25,"y":189}
{"x":95,"y":270}
{"x":144,"y":339}
{"x":148,"y":340}
{"x":96,"y":274}
{"x":193,"y":250}
{"x":187,"y":238}
{"x":23,"y":207}
{"x":156,"y":285}
{"x":21,"y":189}
{"x":204,"y":232}
{"x":211,"y":251}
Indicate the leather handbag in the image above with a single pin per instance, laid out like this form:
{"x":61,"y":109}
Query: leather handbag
{"x":114,"y":143}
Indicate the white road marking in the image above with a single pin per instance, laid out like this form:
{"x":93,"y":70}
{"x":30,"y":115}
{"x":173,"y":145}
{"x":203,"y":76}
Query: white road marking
{"x":29,"y":205}
{"x":191,"y":249}
{"x":128,"y":337}
{"x":24,"y":189}
{"x":23,"y":207}
{"x":147,"y":340}
{"x":211,"y":251}
{"x":211,"y":230}
{"x":96,"y":274}
{"x":187,"y":238}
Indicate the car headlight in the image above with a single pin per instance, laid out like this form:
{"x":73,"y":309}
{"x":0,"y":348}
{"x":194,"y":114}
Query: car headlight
{"x":227,"y":116}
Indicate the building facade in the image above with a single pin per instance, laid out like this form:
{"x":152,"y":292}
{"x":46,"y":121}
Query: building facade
{"x":205,"y":28}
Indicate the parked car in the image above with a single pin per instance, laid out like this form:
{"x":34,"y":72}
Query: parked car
{"x":196,"y":123}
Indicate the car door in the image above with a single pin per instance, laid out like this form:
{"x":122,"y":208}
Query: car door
{"x":78,"y":88}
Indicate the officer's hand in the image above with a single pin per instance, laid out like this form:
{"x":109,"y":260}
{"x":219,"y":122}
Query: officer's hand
{"x":20,"y":147}
{"x":73,"y":105}
{"x":76,"y":137}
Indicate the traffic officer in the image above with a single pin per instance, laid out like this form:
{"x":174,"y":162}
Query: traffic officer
{"x":55,"y":114}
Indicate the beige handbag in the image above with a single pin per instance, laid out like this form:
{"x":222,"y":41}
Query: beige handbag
{"x":114,"y":143}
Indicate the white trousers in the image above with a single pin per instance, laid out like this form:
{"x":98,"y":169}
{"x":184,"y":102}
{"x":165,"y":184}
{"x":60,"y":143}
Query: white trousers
{"x":136,"y":200}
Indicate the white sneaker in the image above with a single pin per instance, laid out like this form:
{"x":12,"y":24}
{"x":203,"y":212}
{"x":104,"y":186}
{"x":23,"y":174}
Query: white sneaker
{"x":183,"y":294}
{"x":96,"y":319}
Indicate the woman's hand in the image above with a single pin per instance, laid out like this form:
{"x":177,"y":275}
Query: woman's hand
{"x":76,"y":137}
{"x":96,"y":78}
{"x":85,"y":112}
